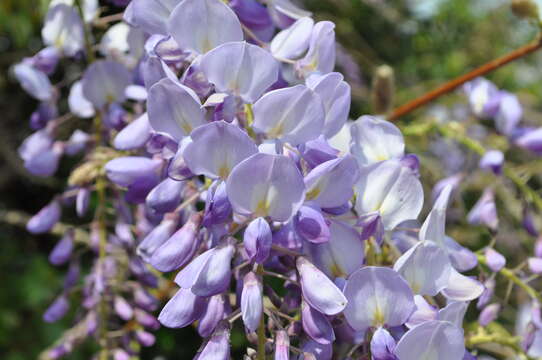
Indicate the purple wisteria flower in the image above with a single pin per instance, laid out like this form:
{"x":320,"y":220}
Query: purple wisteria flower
{"x":220,"y":149}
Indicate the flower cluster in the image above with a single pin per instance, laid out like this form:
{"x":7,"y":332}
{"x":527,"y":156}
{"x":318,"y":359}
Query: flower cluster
{"x":221,"y":150}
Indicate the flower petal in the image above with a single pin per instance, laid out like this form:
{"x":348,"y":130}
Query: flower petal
{"x":318,"y":290}
{"x":240,"y":69}
{"x":174,"y":109}
{"x":202,"y":25}
{"x":377,"y":296}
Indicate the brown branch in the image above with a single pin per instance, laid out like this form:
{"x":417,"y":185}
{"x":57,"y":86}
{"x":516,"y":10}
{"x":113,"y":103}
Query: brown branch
{"x":453,"y":84}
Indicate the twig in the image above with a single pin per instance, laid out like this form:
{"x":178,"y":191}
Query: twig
{"x":88,"y":43}
{"x":279,"y":276}
{"x":19,"y":218}
{"x":285,"y":251}
{"x":455,"y":132}
{"x":453,"y":84}
{"x":509,"y":274}
{"x":108,"y":19}
{"x":254,"y":37}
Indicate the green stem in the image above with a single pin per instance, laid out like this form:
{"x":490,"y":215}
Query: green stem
{"x":103,"y":306}
{"x":511,"y":276}
{"x":455,"y":131}
{"x":261,"y":328}
{"x":86,"y":30}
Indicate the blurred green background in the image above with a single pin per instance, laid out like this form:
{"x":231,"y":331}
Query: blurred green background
{"x":425,"y":41}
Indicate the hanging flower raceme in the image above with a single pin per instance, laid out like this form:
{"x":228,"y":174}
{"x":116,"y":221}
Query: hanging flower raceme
{"x":218,"y":150}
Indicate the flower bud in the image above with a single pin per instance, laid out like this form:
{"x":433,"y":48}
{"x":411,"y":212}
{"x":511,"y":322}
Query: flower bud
{"x":217,"y":206}
{"x":45,"y":219}
{"x":383,"y":89}
{"x":46,"y":59}
{"x":33,"y":81}
{"x":41,"y":116}
{"x":257,"y":240}
{"x":489,"y":314}
{"x":82,"y":201}
{"x":412,"y":162}
{"x":318,"y":151}
{"x":77,"y":142}
{"x":125,"y":171}
{"x":452,"y":181}
{"x":495,"y":261}
{"x":489,"y":289}
{"x":372,"y":226}
{"x":311,"y":225}
{"x":166,"y":196}
{"x":492,"y":161}
{"x":535,"y":265}
{"x":145,"y":338}
{"x":316,"y":325}
{"x":134,"y":135}
{"x":382,"y":345}
{"x":218,"y":346}
{"x":177,"y":169}
{"x":282,"y":345}
{"x":215,"y":311}
{"x":120,"y":354}
{"x":168,"y":50}
{"x":63,"y":249}
{"x":530,"y":139}
{"x":123,"y":309}
{"x":315,"y":351}
{"x":72,"y":276}
{"x":146,"y":319}
{"x":179,"y":248}
{"x":182,"y":309}
{"x":318,"y":290}
{"x":484,"y":211}
{"x":251,"y":301}
{"x":210,"y":273}
{"x":57,"y":309}
{"x":528,"y":222}
{"x":158,"y":236}
{"x":527,"y":9}
{"x":538,"y":247}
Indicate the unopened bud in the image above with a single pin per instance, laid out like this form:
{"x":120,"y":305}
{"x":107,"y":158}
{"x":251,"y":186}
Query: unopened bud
{"x":527,"y":9}
{"x":383,"y":89}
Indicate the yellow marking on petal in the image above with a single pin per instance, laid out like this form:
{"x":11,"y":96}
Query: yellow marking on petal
{"x":313,"y":193}
{"x":206,"y":45}
{"x":187,"y":128}
{"x":262,"y":208}
{"x":415,"y":288}
{"x":313,"y":65}
{"x":378,"y":319}
{"x":110,"y":98}
{"x":336,"y":271}
{"x":249,"y":114}
{"x":60,"y":40}
{"x":276,"y":131}
{"x":224,"y":171}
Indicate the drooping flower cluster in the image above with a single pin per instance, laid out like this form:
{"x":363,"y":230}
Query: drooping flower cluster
{"x":511,"y":130}
{"x":222,"y":146}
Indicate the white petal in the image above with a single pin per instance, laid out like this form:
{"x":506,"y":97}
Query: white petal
{"x":374,"y":140}
{"x":292,"y":42}
{"x":462,"y":288}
